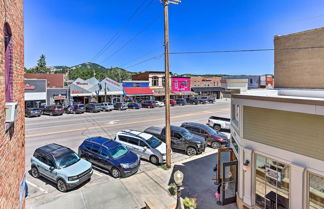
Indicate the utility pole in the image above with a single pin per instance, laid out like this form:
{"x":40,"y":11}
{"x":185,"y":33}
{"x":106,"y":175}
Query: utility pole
{"x":167,"y":79}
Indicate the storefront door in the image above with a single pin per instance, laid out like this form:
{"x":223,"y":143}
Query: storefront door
{"x":229,"y":185}
{"x":226,"y":175}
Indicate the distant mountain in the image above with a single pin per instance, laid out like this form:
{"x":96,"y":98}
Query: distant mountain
{"x":89,"y":65}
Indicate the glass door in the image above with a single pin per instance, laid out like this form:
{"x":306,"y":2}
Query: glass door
{"x":229,"y":184}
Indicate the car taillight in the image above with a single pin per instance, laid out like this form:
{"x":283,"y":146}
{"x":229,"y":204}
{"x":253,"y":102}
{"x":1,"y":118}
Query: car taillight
{"x":208,"y":121}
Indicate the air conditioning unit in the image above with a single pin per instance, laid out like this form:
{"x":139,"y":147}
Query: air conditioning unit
{"x":11,"y":112}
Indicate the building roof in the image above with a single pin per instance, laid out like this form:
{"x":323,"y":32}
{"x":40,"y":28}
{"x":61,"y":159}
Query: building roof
{"x":295,"y":96}
{"x":138,"y":91}
{"x":53,"y":80}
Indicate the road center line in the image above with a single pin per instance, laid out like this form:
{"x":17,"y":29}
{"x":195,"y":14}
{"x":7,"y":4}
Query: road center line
{"x":121,"y":124}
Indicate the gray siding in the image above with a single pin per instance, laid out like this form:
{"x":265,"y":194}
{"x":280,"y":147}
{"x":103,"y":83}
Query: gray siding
{"x":296,"y":132}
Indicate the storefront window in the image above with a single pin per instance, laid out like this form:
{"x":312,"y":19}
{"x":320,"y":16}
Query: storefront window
{"x":155,"y":81}
{"x":316,"y":191}
{"x":272,"y":183}
{"x":235,"y":145}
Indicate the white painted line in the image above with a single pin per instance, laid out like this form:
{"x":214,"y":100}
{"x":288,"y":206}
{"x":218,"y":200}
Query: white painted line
{"x":97,"y":173}
{"x":34,"y":185}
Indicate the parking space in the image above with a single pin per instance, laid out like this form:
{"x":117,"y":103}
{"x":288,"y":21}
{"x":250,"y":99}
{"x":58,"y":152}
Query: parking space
{"x":71,"y":130}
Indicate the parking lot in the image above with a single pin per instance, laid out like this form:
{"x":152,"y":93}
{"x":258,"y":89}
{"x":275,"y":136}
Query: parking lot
{"x":103,"y":190}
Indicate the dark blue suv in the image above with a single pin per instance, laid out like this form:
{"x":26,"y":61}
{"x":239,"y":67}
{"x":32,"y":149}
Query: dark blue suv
{"x":106,"y":154}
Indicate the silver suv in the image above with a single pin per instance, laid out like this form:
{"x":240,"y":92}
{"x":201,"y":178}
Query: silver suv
{"x":145,"y":145}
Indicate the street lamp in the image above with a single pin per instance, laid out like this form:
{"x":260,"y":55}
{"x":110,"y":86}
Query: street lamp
{"x":178,"y":179}
{"x":167,"y":79}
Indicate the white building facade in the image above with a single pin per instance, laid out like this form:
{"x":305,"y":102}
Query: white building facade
{"x":279,"y":144}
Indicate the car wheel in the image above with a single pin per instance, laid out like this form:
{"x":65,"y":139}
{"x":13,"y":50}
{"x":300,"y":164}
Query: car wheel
{"x":217,"y":127}
{"x":61,"y":185}
{"x":115,"y":173}
{"x":215,"y":145}
{"x":34,"y":172}
{"x":191,"y":151}
{"x":154,"y":160}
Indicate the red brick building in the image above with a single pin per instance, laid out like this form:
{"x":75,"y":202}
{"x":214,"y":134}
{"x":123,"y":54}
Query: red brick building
{"x":12,"y":132}
{"x":53,"y":80}
{"x":205,"y":82}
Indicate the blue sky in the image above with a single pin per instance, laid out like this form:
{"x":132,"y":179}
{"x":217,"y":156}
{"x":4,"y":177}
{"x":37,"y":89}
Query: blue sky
{"x":70,"y":32}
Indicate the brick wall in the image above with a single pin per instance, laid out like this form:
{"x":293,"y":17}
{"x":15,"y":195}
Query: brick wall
{"x":205,"y":81}
{"x":12,"y":143}
{"x":303,"y":68}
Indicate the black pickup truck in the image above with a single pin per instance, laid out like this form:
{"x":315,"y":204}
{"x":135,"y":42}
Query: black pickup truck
{"x":181,"y":139}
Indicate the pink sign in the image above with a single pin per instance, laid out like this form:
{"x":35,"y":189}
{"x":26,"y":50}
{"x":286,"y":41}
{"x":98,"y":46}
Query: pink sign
{"x":180,"y":84}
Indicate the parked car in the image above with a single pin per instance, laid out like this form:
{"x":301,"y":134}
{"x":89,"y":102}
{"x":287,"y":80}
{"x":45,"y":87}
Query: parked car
{"x":207,"y":99}
{"x":148,"y":104}
{"x":172,"y":102}
{"x":53,"y":110}
{"x":109,"y":155}
{"x":192,"y":101}
{"x":120,"y":106}
{"x":181,"y":139}
{"x":159,"y":104}
{"x":213,"y":138}
{"x":107,"y":107}
{"x":145,"y":145}
{"x":75,"y":109}
{"x":134,"y":105}
{"x":93,"y":107}
{"x":32,"y":112}
{"x":181,"y":102}
{"x":60,"y":165}
{"x":202,"y":100}
{"x":219,"y":123}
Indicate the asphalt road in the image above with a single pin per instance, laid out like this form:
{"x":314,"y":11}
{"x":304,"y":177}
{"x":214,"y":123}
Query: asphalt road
{"x":71,"y":130}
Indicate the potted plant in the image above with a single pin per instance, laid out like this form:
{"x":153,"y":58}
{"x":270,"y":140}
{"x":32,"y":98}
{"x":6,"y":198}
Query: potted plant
{"x":189,"y":203}
{"x":173,"y":189}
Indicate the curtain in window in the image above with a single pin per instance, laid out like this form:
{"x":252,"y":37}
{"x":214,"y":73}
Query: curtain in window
{"x":9,"y":71}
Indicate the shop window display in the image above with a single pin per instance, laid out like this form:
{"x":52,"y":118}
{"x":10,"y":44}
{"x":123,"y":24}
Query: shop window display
{"x":272,"y":183}
{"x":316,"y":191}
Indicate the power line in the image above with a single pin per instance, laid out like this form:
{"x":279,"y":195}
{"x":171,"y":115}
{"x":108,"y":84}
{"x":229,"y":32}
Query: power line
{"x":132,"y":39}
{"x":248,"y":28}
{"x":224,"y":51}
{"x":146,"y":60}
{"x":247,"y":50}
{"x":117,"y":35}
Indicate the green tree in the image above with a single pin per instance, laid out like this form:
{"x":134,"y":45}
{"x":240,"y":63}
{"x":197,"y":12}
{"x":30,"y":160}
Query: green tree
{"x":41,"y":65}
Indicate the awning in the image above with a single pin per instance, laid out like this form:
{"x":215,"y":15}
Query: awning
{"x":138,"y":91}
{"x":207,"y":89}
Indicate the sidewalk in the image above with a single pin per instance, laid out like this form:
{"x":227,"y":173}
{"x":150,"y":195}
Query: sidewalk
{"x":197,"y":183}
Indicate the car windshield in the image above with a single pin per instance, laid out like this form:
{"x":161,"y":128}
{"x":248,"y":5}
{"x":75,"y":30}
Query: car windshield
{"x":154,"y":142}
{"x":35,"y":109}
{"x":67,"y":160}
{"x":59,"y":107}
{"x":80,"y":106}
{"x":186,"y":134}
{"x":211,"y":131}
{"x":118,"y":151}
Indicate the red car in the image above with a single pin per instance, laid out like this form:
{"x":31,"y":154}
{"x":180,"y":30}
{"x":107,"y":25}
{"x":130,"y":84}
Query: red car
{"x":148,"y":104}
{"x":172,"y":102}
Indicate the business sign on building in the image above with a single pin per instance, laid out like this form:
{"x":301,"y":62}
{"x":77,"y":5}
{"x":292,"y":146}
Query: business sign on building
{"x":35,"y":86}
{"x":273,"y":174}
{"x":180,"y":84}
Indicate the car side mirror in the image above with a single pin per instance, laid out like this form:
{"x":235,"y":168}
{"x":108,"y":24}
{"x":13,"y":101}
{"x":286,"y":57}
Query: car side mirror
{"x":52,"y":168}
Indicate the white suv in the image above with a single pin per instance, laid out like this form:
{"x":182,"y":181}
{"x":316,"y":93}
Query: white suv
{"x":145,"y":145}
